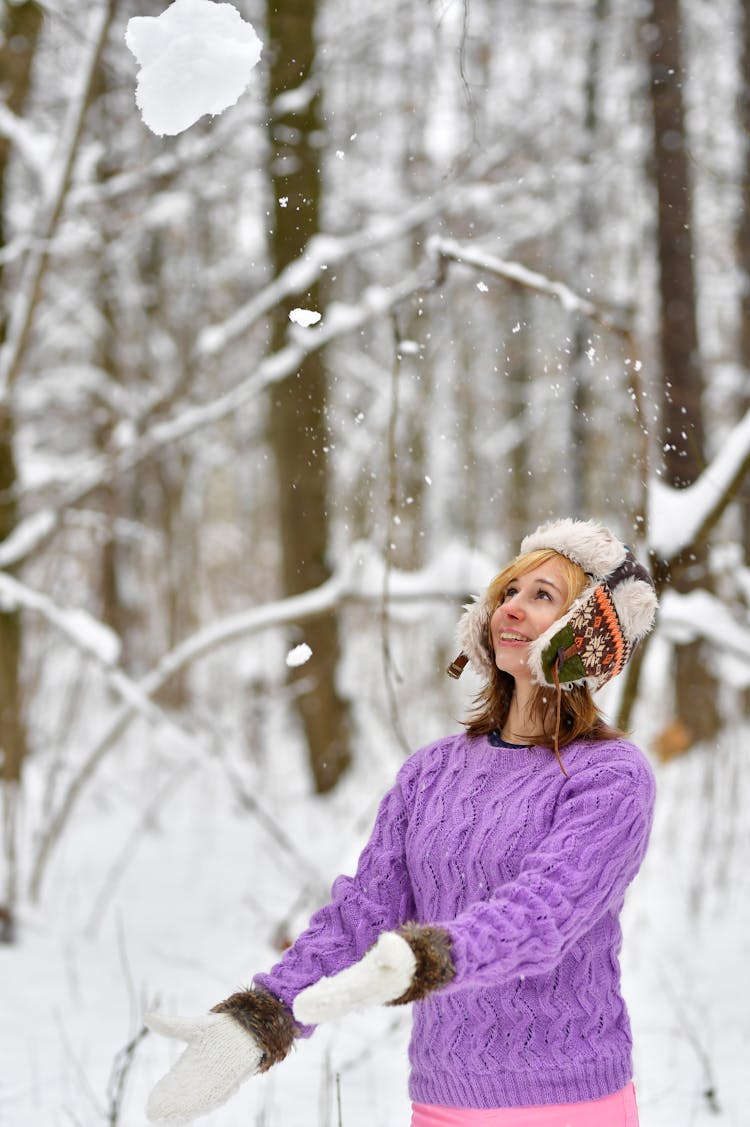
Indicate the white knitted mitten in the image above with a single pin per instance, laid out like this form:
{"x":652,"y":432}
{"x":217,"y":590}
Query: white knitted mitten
{"x":220,"y":1055}
{"x":380,"y":976}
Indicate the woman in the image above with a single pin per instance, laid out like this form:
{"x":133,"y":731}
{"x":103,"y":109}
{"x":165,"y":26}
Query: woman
{"x":490,"y":891}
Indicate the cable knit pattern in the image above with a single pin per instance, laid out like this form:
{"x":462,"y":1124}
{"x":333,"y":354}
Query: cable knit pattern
{"x":526,"y":870}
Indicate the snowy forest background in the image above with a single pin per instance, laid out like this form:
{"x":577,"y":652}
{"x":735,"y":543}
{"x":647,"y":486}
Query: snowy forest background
{"x":525,"y":227}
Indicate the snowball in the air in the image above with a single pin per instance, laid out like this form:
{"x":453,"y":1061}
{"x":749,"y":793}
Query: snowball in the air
{"x":299,"y":655}
{"x":304,"y":317}
{"x":195,"y":59}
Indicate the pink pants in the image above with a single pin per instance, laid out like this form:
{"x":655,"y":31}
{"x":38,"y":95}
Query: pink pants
{"x":618,"y":1110}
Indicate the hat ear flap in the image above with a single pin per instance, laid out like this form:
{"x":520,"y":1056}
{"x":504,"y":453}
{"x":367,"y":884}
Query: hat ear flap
{"x":588,"y":644}
{"x":635,"y":603}
{"x":594,"y":639}
{"x":549,"y":647}
{"x":474,"y":635}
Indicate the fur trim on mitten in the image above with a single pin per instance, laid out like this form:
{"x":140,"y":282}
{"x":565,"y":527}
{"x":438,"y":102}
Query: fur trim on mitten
{"x":432,"y":950}
{"x":266,"y":1019}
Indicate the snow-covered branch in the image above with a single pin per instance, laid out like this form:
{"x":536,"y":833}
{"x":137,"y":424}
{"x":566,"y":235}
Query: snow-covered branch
{"x":699,"y":614}
{"x":340,"y":319}
{"x":679,"y":518}
{"x":520,"y":275}
{"x":449,"y":577}
{"x":93,"y":638}
{"x":34,"y":148}
{"x":24,"y":305}
{"x":330,"y":250}
{"x":146,"y":178}
{"x":188,"y":152}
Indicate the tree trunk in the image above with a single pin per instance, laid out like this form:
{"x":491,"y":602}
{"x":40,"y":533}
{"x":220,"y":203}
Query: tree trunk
{"x":298,"y":428}
{"x":743,"y":250}
{"x":582,"y":434}
{"x":518,"y":391}
{"x":682,"y":431}
{"x":21,"y":24}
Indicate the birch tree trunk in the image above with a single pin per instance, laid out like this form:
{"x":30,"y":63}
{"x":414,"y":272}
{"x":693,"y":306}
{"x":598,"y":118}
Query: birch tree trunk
{"x":298,"y":428}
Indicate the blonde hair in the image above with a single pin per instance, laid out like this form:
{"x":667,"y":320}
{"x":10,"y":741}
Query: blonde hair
{"x":574,"y":577}
{"x":579,"y":716}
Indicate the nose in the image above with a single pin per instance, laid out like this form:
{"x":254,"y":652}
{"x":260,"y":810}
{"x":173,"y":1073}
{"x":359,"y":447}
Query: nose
{"x":513,"y":608}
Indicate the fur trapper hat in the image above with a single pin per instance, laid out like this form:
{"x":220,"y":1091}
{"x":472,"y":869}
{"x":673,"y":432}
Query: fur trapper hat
{"x":594,"y":639}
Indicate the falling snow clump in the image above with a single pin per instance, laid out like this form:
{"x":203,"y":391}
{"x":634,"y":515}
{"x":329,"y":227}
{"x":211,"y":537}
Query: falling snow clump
{"x":299,"y":655}
{"x":304,"y":317}
{"x":195,"y":59}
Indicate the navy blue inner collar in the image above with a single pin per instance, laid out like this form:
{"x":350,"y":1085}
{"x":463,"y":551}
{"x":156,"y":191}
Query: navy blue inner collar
{"x":496,"y":740}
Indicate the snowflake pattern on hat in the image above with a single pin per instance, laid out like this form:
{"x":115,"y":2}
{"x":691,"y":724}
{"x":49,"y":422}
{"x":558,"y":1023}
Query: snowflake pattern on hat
{"x":591,"y":644}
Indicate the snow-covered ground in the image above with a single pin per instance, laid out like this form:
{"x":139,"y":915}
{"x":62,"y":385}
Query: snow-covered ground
{"x":167,"y":890}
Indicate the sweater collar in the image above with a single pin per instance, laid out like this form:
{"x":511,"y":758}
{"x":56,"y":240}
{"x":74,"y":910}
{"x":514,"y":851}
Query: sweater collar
{"x":496,"y":740}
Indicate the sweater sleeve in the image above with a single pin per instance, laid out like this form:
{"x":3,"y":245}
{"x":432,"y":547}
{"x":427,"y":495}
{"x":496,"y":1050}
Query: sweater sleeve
{"x":578,"y":872}
{"x":377,"y":898}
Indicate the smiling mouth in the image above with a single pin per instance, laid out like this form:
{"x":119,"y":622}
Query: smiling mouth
{"x":507,"y":636}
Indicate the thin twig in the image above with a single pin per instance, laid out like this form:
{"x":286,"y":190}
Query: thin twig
{"x":51,"y":208}
{"x":118,"y":1077}
{"x":389,"y":668}
{"x":39,"y":528}
{"x":710,"y":1091}
{"x":295,"y":608}
{"x":127,"y":972}
{"x":249,"y":800}
{"x":123,"y":1061}
{"x":118,"y":869}
{"x":79,"y":1070}
{"x":465,"y":86}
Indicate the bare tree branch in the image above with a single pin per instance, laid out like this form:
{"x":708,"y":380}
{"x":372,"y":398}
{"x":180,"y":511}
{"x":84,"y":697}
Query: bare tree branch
{"x":336,"y":592}
{"x":37,"y":529}
{"x":121,"y":1067}
{"x":116,"y":872}
{"x":331,"y":250}
{"x":29,"y":287}
{"x":619,"y":322}
{"x":34,"y":148}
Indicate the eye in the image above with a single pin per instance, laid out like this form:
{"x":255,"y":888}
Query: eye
{"x":509,"y":591}
{"x":542,"y":593}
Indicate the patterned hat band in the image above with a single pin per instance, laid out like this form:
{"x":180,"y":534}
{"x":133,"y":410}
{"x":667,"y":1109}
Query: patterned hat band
{"x":593,"y":641}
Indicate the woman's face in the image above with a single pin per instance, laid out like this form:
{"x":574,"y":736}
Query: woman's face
{"x":531,"y":604}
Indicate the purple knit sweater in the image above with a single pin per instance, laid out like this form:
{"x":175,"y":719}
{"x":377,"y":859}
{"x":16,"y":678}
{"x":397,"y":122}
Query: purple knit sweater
{"x":527,"y":870}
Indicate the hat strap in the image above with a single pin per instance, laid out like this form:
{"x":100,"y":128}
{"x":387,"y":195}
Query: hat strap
{"x":558,"y":686}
